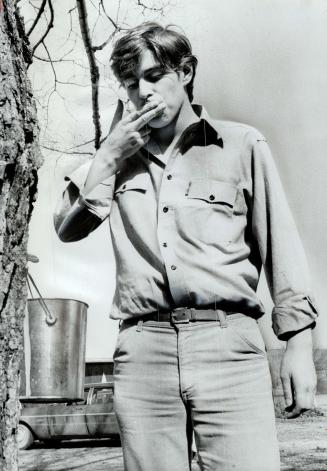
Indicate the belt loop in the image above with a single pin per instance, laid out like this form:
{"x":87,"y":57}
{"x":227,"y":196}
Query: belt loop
{"x":222,"y":318}
{"x":139,"y":325}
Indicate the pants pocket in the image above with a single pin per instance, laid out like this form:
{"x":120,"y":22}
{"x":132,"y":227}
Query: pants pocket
{"x":124,"y":333}
{"x":248,"y":333}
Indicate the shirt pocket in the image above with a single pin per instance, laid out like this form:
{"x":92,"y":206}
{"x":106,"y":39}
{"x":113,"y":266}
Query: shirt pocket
{"x":131,"y":193}
{"x":136,"y":183}
{"x":210,"y":211}
{"x":213,"y":192}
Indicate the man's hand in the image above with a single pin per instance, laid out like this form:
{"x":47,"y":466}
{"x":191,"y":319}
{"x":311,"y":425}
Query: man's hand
{"x":298,"y":374}
{"x":127,"y":135}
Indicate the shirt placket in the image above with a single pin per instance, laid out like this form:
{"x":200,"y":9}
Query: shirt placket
{"x":166,"y":230}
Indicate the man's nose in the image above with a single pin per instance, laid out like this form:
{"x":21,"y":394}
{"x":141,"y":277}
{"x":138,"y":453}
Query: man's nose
{"x":145,"y":89}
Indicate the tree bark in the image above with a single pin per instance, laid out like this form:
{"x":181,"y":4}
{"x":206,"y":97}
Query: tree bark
{"x":19,"y":161}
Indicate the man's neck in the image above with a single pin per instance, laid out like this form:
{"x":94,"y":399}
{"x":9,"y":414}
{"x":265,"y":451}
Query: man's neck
{"x":165,"y":136}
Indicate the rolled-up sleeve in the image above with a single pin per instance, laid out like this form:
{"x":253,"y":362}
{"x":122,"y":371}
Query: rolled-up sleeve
{"x":280,"y":247}
{"x":77,"y":214}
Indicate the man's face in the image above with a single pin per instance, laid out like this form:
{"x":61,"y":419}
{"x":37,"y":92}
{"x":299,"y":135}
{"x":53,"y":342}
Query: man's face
{"x":153,"y":83}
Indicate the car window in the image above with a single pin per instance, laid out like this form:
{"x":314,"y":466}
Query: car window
{"x":102,"y":396}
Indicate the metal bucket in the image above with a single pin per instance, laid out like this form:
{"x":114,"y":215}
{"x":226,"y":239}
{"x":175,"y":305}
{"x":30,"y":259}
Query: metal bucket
{"x":53,"y":366}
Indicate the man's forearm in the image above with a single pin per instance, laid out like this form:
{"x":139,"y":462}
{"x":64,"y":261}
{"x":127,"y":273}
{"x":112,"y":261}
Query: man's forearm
{"x":298,"y":374}
{"x":100,"y":170}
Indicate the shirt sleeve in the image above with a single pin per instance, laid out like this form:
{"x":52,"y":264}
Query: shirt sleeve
{"x":77,"y":214}
{"x":280,"y":247}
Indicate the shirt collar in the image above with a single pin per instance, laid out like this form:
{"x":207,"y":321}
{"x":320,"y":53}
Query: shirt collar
{"x":200,"y":133}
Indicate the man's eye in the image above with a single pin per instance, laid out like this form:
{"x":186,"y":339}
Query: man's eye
{"x":131,"y":86}
{"x":155,"y":77}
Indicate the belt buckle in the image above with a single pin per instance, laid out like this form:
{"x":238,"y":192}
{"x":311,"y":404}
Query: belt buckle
{"x":179,"y":316}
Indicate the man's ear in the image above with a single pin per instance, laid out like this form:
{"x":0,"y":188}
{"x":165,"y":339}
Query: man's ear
{"x":187,"y":74}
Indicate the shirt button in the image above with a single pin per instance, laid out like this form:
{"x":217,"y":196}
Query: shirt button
{"x":173,"y":267}
{"x":211,"y":197}
{"x":165,"y":209}
{"x":164,"y":244}
{"x":169,"y":177}
{"x":124,"y":187}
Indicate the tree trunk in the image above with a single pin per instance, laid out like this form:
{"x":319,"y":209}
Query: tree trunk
{"x":19,"y":161}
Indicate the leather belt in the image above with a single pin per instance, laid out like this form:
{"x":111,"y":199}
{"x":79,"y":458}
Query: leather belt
{"x":184,"y":315}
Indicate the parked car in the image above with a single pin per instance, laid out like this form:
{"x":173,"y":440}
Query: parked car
{"x":92,"y":418}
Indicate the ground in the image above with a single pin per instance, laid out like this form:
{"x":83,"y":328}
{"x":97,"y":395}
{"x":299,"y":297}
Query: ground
{"x":303,"y":444}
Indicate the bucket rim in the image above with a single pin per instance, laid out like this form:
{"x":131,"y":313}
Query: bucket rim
{"x":58,"y":299}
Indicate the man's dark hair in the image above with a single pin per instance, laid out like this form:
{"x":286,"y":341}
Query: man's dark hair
{"x":170,"y":48}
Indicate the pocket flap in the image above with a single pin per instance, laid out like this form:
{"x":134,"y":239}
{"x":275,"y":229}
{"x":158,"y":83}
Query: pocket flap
{"x":213,"y":191}
{"x":138,"y":182}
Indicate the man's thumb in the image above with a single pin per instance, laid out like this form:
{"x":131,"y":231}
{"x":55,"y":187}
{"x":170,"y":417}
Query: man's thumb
{"x":118,"y":115}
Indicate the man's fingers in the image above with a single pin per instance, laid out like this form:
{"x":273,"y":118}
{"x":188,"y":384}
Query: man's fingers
{"x":145,"y":139}
{"x":287,"y":389}
{"x":118,"y":115}
{"x":303,"y":401}
{"x":139,"y":139}
{"x":148,"y":116}
{"x":296,"y":412}
{"x":301,"y":404}
{"x":138,"y":113}
{"x":145,"y":131}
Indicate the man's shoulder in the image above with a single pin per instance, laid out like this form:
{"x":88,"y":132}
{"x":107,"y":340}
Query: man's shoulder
{"x":236,"y":130}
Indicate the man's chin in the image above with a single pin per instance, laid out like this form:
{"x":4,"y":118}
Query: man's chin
{"x":159,"y":122}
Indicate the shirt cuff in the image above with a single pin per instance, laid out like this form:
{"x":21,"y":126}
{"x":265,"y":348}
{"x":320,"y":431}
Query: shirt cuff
{"x":98,"y":200}
{"x":299,"y":312}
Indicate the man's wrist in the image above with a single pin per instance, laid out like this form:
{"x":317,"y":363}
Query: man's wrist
{"x":106,"y":160}
{"x":301,"y":339}
{"x":100,"y":171}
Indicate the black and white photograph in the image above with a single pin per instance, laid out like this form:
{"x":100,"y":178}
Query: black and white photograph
{"x":163,"y":238}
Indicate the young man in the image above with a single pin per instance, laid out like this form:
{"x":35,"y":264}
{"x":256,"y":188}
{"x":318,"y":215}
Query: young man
{"x":195,"y":208}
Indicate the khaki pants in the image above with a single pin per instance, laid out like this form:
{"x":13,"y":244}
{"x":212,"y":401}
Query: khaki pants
{"x":201,"y":376}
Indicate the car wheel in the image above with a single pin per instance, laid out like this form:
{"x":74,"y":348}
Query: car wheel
{"x":24,"y":437}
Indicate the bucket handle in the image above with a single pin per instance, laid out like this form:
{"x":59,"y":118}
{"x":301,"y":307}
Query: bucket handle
{"x":49,"y":318}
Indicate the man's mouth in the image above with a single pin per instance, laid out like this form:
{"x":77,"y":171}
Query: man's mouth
{"x":159,"y":115}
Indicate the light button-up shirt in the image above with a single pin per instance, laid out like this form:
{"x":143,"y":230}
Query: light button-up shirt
{"x":194,"y":230}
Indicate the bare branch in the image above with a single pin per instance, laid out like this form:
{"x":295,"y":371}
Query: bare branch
{"x":62,"y":151}
{"x":44,"y":59}
{"x":146,"y":7}
{"x":71,"y":21}
{"x":51,"y":63}
{"x":82,"y":144}
{"x":70,"y":51}
{"x":38,"y":16}
{"x":61,"y":82}
{"x":118,"y":10}
{"x":89,"y":142}
{"x":94,"y":70}
{"x":96,"y":21}
{"x":114,"y":24}
{"x":104,"y":44}
{"x":50,"y":25}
